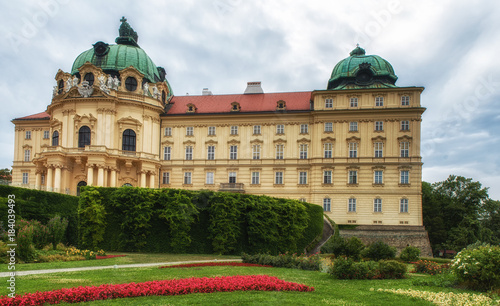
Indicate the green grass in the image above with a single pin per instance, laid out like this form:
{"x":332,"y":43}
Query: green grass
{"x":328,"y":291}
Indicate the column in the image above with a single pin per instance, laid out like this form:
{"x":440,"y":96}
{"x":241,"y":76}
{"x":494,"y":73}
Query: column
{"x":90,"y":176}
{"x":57,"y":179}
{"x":49,"y":178}
{"x":38,"y":180}
{"x":100,"y":176}
{"x":143,"y":178}
{"x":152,"y":180}
{"x":112,"y":182}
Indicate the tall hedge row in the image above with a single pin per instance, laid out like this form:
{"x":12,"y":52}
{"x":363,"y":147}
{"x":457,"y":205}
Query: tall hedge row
{"x":204,"y":222}
{"x":42,"y":206}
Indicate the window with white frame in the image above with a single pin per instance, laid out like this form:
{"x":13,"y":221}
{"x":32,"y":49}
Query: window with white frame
{"x":378,"y":177}
{"x":232,"y":177}
{"x":377,"y":205}
{"x":379,"y":101}
{"x":303,"y":177}
{"x":211,"y":152}
{"x":379,"y":149}
{"x":167,"y":152}
{"x":233,"y":152}
{"x":189,"y":131}
{"x":352,"y":205}
{"x":379,"y":125}
{"x":405,"y":149}
{"x":27,"y":135}
{"x":46,"y":134}
{"x":211,"y":131}
{"x":278,"y":177}
{"x":353,"y":126}
{"x":27,"y":155}
{"x":303,"y":151}
{"x":328,"y":150}
{"x":353,"y":149}
{"x":353,"y":176}
{"x":302,"y":200}
{"x":25,"y":178}
{"x":328,"y":103}
{"x":405,"y":125}
{"x":403,"y":205}
{"x":209,"y":178}
{"x":353,"y":102}
{"x":234,"y":130}
{"x":280,"y":149}
{"x":404,"y":176}
{"x":304,"y":128}
{"x":327,"y":204}
{"x":327,"y":177}
{"x":168,"y":131}
{"x":255,"y":178}
{"x":189,"y":153}
{"x":166,"y":178}
{"x":405,"y":100}
{"x":187,"y":178}
{"x":256,"y":129}
{"x":280,"y":129}
{"x":328,"y":126}
{"x":256,"y":151}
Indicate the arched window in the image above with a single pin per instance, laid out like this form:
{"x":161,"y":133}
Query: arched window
{"x":128,"y":140}
{"x":89,"y":77}
{"x":163,"y":96}
{"x":83,"y":136}
{"x":55,"y":138}
{"x":127,"y":185}
{"x":131,"y":84}
{"x":80,"y":184}
{"x":60,"y":87}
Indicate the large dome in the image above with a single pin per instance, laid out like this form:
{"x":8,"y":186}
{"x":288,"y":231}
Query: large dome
{"x":362,"y":71}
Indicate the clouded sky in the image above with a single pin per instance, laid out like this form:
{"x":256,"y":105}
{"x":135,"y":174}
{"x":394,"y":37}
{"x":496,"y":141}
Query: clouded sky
{"x":449,"y":47}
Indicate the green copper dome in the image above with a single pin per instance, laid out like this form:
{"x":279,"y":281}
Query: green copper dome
{"x":362,"y":71}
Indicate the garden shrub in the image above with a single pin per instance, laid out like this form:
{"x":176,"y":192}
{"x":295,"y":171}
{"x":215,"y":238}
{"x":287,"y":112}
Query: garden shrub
{"x":347,"y":268}
{"x":4,"y":258}
{"x":41,"y":234}
{"x":91,"y":218}
{"x":429,"y":267}
{"x":57,"y":229}
{"x":410,"y":253}
{"x":391,"y":269}
{"x":378,"y":251}
{"x":224,"y":223}
{"x":303,"y":262}
{"x":25,"y":248}
{"x":478,"y":268}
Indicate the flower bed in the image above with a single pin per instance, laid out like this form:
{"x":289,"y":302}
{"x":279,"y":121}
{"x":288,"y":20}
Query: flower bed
{"x":429,"y":267}
{"x":442,"y":298}
{"x":164,"y":287}
{"x":216,"y":264}
{"x":108,"y":256}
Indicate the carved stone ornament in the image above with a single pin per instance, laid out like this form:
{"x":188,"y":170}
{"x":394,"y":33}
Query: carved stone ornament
{"x":145,"y":88}
{"x":156,"y":93}
{"x":69,"y":84}
{"x":116,"y":83}
{"x":102,"y":84}
{"x":75,"y":81}
{"x":54,"y":91}
{"x":110,"y":81}
{"x":85,"y":90}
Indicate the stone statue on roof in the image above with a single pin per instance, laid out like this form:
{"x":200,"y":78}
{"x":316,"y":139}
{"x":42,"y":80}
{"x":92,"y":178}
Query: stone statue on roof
{"x":69,"y":84}
{"x":145,"y":88}
{"x":110,"y":81}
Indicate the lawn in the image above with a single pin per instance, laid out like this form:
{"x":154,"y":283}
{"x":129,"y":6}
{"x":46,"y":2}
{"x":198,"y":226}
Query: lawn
{"x":328,"y":291}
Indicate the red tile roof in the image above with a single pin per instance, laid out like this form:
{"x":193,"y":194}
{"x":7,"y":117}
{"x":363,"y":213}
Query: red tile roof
{"x":39,"y":116}
{"x":267,"y":102}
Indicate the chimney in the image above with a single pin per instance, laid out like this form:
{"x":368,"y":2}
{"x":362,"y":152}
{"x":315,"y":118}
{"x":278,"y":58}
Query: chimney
{"x":253,"y":88}
{"x":206,"y":92}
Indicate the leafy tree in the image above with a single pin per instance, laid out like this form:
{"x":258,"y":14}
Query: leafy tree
{"x":6,"y":175}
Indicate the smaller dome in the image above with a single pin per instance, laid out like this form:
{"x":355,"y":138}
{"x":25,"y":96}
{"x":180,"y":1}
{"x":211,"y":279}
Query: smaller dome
{"x":362,"y":71}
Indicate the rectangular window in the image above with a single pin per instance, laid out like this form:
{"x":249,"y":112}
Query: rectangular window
{"x":352,"y":205}
{"x":404,"y":177}
{"x":25,"y":178}
{"x":328,"y":150}
{"x":166,"y":153}
{"x":405,"y":100}
{"x":354,"y":102}
{"x":329,"y":103}
{"x":211,"y":152}
{"x":234,"y":130}
{"x":378,"y":177}
{"x":353,"y":176}
{"x":327,"y":204}
{"x":166,"y":178}
{"x":379,"y":149}
{"x":255,"y":178}
{"x":46,"y":134}
{"x":327,"y":177}
{"x":379,"y":101}
{"x":210,"y":178}
{"x":304,"y":128}
{"x":303,"y":151}
{"x":232,"y":177}
{"x":189,"y":131}
{"x":189,"y":153}
{"x":280,"y":129}
{"x":303,"y":178}
{"x":353,"y":126}
{"x":256,"y":129}
{"x":168,"y":131}
{"x":353,"y":149}
{"x":405,"y":125}
{"x":328,"y":127}
{"x":403,"y":205}
{"x":280,"y":151}
{"x":187,"y":178}
{"x":43,"y":179}
{"x":379,"y":125}
{"x":256,"y":152}
{"x":28,"y":135}
{"x":377,"y":205}
{"x":27,"y":155}
{"x":278,"y":178}
{"x":233,"y":152}
{"x":405,"y":149}
{"x":211,"y":131}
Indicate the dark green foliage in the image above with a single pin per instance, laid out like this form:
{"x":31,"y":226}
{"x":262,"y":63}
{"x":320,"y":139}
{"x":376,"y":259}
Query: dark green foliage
{"x":57,"y":228}
{"x":92,"y":219}
{"x":25,"y":248}
{"x":41,"y":234}
{"x":378,"y":251}
{"x":410,"y":253}
{"x":391,"y":269}
{"x":224,"y":222}
{"x":347,"y":268}
{"x":310,"y":263}
{"x":314,"y":225}
{"x":340,"y":246}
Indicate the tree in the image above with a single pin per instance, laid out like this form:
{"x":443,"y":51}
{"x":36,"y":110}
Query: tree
{"x":6,"y":175}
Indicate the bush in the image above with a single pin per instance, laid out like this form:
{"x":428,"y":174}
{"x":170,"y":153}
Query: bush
{"x":25,"y":248}
{"x":410,"y":253}
{"x":478,"y":268}
{"x":57,"y":228}
{"x":378,"y":251}
{"x":347,"y":268}
{"x":391,"y":269}
{"x":429,"y":267}
{"x":342,"y":247}
{"x":311,"y":263}
{"x":41,"y":234}
{"x":91,"y":218}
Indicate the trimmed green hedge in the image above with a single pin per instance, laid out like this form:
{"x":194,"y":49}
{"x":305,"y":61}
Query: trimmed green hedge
{"x":203,"y":222}
{"x":42,"y":206}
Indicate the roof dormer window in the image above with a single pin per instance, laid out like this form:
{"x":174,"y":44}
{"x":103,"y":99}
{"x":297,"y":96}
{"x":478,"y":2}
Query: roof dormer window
{"x":235,"y":107}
